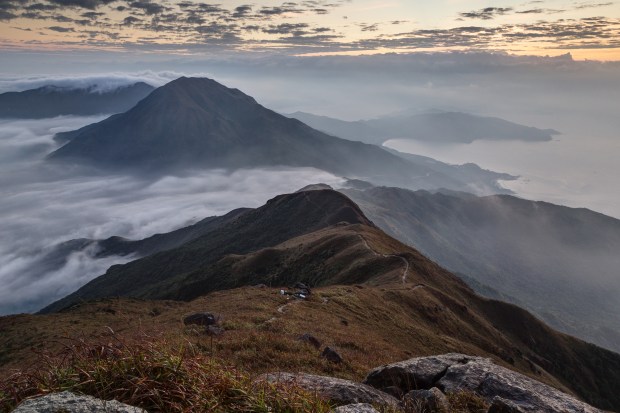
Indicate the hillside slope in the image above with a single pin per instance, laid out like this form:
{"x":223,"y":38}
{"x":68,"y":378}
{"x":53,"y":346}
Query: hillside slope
{"x":558,"y":262}
{"x":406,"y":303}
{"x":438,"y":127}
{"x":51,"y":101}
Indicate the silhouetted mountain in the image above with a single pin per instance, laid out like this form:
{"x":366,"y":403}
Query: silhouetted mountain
{"x":198,"y":123}
{"x":320,"y":237}
{"x":52,"y":101}
{"x":561,"y":263}
{"x":455,"y":127}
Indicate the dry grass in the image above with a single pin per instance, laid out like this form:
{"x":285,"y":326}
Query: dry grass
{"x":163,"y":375}
{"x":157,"y":375}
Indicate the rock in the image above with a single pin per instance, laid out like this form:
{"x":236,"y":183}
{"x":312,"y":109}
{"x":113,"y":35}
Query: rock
{"x":413,"y":374}
{"x":488,"y":380}
{"x":67,"y":402}
{"x":428,"y":401}
{"x":394,"y":391}
{"x":201,"y":319}
{"x":331,"y":355}
{"x":355,"y":408}
{"x":301,"y":286}
{"x":309,"y":338}
{"x":457,"y":372}
{"x":337,"y":391}
{"x":500,"y":405}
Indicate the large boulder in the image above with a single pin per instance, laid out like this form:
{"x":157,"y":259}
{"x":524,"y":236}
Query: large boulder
{"x":67,"y":402}
{"x":337,"y":391}
{"x":457,"y":372}
{"x":414,"y":374}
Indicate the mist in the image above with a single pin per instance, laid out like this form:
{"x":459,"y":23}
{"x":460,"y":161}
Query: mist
{"x":43,"y":205}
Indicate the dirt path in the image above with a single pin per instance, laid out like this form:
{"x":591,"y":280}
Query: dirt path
{"x":406,"y":270}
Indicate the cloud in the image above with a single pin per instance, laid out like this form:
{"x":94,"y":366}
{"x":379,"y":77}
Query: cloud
{"x":592,"y":5}
{"x":487,"y":13}
{"x":86,"y":4}
{"x":61,"y":29}
{"x":95,"y":83}
{"x":43,"y":205}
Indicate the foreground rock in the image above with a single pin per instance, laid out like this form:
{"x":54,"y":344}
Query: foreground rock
{"x":337,"y":391}
{"x":457,"y":372}
{"x":67,"y":402}
{"x":355,"y":408}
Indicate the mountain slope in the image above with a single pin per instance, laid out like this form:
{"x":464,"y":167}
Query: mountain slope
{"x":282,"y":218}
{"x":198,"y":123}
{"x":559,"y":262}
{"x":406,"y":304}
{"x":443,"y":127}
{"x":51,"y":101}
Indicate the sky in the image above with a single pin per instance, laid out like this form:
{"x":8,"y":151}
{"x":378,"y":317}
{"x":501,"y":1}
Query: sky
{"x":588,"y":29}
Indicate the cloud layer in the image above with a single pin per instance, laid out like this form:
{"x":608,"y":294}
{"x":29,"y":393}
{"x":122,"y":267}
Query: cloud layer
{"x":300,"y":27}
{"x":42,"y":206}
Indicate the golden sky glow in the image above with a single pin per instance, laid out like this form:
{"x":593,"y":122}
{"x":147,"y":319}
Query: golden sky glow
{"x":587,"y":29}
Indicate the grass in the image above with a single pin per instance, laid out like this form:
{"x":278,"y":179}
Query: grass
{"x":369,"y":326}
{"x":156,"y":374}
{"x":163,"y":375}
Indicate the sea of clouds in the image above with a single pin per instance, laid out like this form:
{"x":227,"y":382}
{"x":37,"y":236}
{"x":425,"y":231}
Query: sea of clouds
{"x":42,"y":205}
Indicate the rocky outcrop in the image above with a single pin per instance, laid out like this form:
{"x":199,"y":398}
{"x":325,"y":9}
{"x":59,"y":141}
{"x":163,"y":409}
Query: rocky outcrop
{"x":508,"y":391}
{"x":356,"y":408}
{"x":337,"y":391}
{"x":67,"y":402}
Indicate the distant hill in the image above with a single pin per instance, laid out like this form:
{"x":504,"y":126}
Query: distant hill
{"x":199,"y":123}
{"x":401,"y":299}
{"x":440,"y":127}
{"x":561,"y":263}
{"x":52,"y":101}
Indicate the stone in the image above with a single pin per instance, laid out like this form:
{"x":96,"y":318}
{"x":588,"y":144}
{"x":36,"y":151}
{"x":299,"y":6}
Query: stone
{"x":331,"y":355}
{"x":500,"y":405}
{"x":427,"y":401}
{"x":201,"y":319}
{"x":356,"y":408}
{"x":337,"y":391}
{"x":394,"y":391}
{"x":489,"y":380}
{"x":310,"y":339}
{"x":458,"y":372}
{"x":413,"y":374}
{"x":68,"y":402}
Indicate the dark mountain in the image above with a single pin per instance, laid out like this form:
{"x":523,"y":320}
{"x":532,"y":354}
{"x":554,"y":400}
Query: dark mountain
{"x":320,"y":237}
{"x":51,"y":101}
{"x":198,"y":123}
{"x":444,"y":127}
{"x":281,"y":219}
{"x":561,"y":263}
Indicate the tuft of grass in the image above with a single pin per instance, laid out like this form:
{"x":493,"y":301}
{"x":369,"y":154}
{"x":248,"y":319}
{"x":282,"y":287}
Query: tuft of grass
{"x":156,"y":375}
{"x":467,"y":402}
